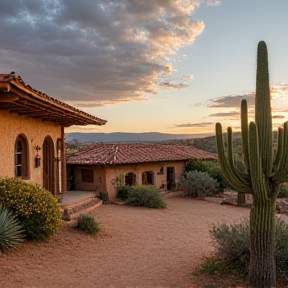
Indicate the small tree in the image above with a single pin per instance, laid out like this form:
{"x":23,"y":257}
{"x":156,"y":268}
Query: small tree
{"x":196,"y":165}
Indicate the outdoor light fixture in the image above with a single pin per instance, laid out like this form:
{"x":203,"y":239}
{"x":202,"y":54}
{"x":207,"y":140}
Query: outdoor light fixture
{"x":37,"y":158}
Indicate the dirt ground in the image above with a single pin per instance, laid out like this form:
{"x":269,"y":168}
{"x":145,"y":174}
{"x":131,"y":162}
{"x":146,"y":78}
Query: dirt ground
{"x":137,"y":247}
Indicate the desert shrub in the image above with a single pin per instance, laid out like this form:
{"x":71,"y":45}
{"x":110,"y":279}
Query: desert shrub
{"x":283,"y":191}
{"x":197,"y":184}
{"x":216,"y":173}
{"x":145,"y":195}
{"x":104,"y":196}
{"x":214,"y":265}
{"x":87,"y":223}
{"x":35,"y":208}
{"x":11,"y":231}
{"x":122,"y":192}
{"x":232,"y":241}
{"x":232,"y":245}
{"x":196,"y":165}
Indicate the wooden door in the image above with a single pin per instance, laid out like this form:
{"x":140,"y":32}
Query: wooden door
{"x":48,"y":164}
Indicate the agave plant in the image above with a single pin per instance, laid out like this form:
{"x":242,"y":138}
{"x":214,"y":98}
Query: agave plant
{"x":11,"y":232}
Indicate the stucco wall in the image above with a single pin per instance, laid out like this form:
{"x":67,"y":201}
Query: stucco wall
{"x":35,"y":131}
{"x":98,"y":183}
{"x":159,"y":179}
{"x":108,"y":174}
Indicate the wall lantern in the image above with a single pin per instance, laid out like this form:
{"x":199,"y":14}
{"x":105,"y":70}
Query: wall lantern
{"x":37,"y":158}
{"x":161,"y":172}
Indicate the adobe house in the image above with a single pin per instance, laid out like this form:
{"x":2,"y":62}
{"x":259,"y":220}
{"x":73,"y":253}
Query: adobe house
{"x":32,"y":142}
{"x":106,"y":166}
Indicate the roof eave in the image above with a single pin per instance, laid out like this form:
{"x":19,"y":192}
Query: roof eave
{"x":61,"y":112}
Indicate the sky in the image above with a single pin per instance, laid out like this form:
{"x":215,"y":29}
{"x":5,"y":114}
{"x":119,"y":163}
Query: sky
{"x":165,"y":66}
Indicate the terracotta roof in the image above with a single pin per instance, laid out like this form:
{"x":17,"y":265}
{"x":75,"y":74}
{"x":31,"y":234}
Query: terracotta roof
{"x":109,"y":154}
{"x":19,"y":97}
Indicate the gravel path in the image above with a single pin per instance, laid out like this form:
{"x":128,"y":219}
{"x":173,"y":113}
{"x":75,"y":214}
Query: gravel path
{"x":137,"y":247}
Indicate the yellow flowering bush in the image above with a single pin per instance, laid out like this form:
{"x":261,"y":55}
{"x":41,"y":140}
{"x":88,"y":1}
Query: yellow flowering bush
{"x":36,"y":208}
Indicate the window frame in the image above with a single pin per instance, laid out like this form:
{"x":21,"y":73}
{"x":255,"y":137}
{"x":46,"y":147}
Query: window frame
{"x":21,"y":159}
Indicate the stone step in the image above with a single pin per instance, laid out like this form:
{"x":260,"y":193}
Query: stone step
{"x":74,"y":210}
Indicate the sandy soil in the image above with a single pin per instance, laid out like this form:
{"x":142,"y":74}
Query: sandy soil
{"x":137,"y":247}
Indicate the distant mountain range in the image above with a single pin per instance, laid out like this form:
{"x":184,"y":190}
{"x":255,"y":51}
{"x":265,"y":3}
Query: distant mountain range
{"x":203,"y":142}
{"x":118,"y":137}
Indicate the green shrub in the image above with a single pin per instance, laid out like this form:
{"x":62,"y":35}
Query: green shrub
{"x":196,"y":165}
{"x":232,"y":245}
{"x":197,"y":184}
{"x":145,"y":195}
{"x":88,"y":224}
{"x":11,"y":232}
{"x":104,"y":196}
{"x":232,"y":241}
{"x":35,"y":208}
{"x":283,"y":191}
{"x":216,"y":173}
{"x":214,"y":265}
{"x":122,"y":192}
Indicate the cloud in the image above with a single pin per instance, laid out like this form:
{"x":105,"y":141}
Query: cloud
{"x":87,"y":104}
{"x":279,"y":91}
{"x":173,"y":86}
{"x":213,"y":2}
{"x":187,"y":77}
{"x":95,"y":50}
{"x":278,"y":117}
{"x":225,"y":114}
{"x":232,"y":101}
{"x":203,"y":124}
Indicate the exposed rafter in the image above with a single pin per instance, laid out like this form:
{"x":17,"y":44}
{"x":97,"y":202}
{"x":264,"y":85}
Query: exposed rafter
{"x":18,"y":97}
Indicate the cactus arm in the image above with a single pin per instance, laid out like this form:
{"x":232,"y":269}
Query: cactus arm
{"x":263,"y":117}
{"x":231,"y":177}
{"x":257,"y":176}
{"x":230,"y":155}
{"x":281,"y":174}
{"x":279,"y":147}
{"x":244,"y":129}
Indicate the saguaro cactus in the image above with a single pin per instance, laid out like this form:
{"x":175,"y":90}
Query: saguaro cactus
{"x":264,"y":172}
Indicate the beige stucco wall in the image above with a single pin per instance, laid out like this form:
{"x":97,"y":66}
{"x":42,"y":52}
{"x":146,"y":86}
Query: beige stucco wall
{"x":35,"y":131}
{"x":98,"y":183}
{"x":159,"y":179}
{"x":109,"y":173}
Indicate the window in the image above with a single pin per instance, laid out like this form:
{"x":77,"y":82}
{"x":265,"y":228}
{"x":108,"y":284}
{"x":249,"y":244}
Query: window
{"x":130,"y":179}
{"x":148,"y":178}
{"x":21,"y":158}
{"x":87,"y":175}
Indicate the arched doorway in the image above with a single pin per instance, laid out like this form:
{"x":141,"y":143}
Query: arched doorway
{"x":48,"y":164}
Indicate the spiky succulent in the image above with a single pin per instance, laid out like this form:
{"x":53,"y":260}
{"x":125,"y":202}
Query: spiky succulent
{"x":11,"y":232}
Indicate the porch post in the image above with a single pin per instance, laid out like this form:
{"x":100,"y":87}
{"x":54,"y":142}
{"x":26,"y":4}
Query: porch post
{"x":63,"y":161}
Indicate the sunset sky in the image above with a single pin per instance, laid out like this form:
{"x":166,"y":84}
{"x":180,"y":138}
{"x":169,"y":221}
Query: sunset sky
{"x":148,"y":65}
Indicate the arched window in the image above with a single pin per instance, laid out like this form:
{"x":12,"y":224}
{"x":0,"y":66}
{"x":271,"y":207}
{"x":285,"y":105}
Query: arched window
{"x":130,"y":179}
{"x":21,"y":157}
